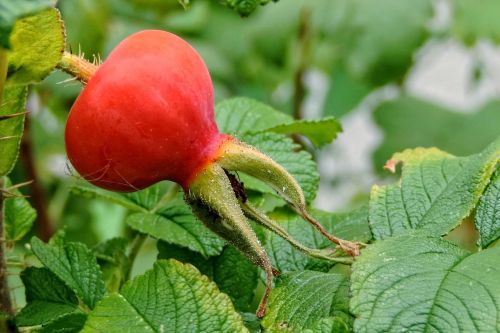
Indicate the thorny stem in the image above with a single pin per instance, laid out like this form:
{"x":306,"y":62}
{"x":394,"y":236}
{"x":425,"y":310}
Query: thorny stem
{"x":77,"y":67}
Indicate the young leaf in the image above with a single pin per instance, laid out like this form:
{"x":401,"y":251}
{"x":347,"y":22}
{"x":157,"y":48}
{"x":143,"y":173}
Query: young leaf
{"x":11,"y":11}
{"x":420,"y":283}
{"x":37,"y":44}
{"x":488,"y":213}
{"x":18,"y":216}
{"x":172,"y":297}
{"x":11,"y":129}
{"x":283,"y":151}
{"x":47,"y":297}
{"x":301,"y":299}
{"x":436,"y":192}
{"x":243,"y":115}
{"x":176,"y":224}
{"x":74,"y":264}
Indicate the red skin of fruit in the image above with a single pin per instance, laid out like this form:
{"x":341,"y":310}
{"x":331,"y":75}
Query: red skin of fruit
{"x":146,"y":115}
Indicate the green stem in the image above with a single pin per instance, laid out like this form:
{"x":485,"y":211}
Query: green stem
{"x":77,"y":67}
{"x":136,"y":246}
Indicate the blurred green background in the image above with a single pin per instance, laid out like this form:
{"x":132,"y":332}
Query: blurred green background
{"x":397,"y":73}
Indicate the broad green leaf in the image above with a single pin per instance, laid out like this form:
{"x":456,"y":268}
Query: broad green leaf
{"x":37,"y":43}
{"x":176,"y":224}
{"x":47,"y":297}
{"x":436,"y":192}
{"x":111,"y":256}
{"x":186,"y":256}
{"x":283,"y":151}
{"x":91,"y":192}
{"x":473,"y":21}
{"x":488,"y":213}
{"x":412,"y":122}
{"x":11,"y":129}
{"x":301,"y":299}
{"x":11,"y":11}
{"x":236,"y":276}
{"x":420,"y":283}
{"x":172,"y":297}
{"x":69,"y":323}
{"x":352,"y":226}
{"x":75,"y":265}
{"x":18,"y":216}
{"x":241,"y":115}
{"x":385,"y":34}
{"x":332,"y":325}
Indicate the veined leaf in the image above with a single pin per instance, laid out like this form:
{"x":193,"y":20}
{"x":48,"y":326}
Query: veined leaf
{"x":18,"y":216}
{"x":37,"y":44}
{"x":241,"y":115}
{"x":68,"y":323}
{"x":172,"y":297}
{"x":420,"y":283}
{"x":436,"y":192}
{"x":75,"y":265}
{"x":301,"y":299}
{"x":11,"y":129}
{"x":488,"y":213}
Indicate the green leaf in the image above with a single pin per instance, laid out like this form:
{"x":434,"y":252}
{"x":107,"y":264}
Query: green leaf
{"x":436,"y":192}
{"x":301,"y":299}
{"x":419,"y":283}
{"x":472,"y":22}
{"x":111,"y":256}
{"x":11,"y":11}
{"x":488,"y":213}
{"x":176,"y":224}
{"x":241,"y":115}
{"x":411,"y":122}
{"x":69,"y":323}
{"x":352,"y":226}
{"x":172,"y":297}
{"x":236,"y":276}
{"x":18,"y":215}
{"x":93,"y":192}
{"x":284,"y":151}
{"x":337,"y":324}
{"x":37,"y":44}
{"x":47,"y":297}
{"x":74,"y":264}
{"x":385,"y":34}
{"x":184,"y":255}
{"x":11,"y":129}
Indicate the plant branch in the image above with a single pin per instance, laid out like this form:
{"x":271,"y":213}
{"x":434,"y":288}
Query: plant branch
{"x":77,"y":67}
{"x":39,"y":201}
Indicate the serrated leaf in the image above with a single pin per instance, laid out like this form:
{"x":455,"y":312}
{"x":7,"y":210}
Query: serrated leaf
{"x":488,"y":213}
{"x":352,"y":226}
{"x":332,"y":325}
{"x":91,"y":192}
{"x":176,"y":224}
{"x":47,"y":297}
{"x":420,"y":283}
{"x":69,"y":323}
{"x":172,"y":297}
{"x":37,"y":44}
{"x":412,"y":122}
{"x":241,"y":115}
{"x":283,"y":150}
{"x":11,"y":129}
{"x":472,"y":22}
{"x":74,"y":264}
{"x":301,"y":299}
{"x":236,"y":276}
{"x":436,"y":192}
{"x":11,"y":11}
{"x":381,"y":47}
{"x":18,"y":216}
{"x":184,"y":255}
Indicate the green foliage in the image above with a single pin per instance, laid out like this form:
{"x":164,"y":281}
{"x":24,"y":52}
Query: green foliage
{"x":472,"y":22}
{"x":18,"y":215}
{"x":37,"y":43}
{"x":11,"y":11}
{"x":294,"y":304}
{"x":488,"y":213}
{"x":436,"y":192}
{"x":153,"y":303}
{"x":419,"y":283}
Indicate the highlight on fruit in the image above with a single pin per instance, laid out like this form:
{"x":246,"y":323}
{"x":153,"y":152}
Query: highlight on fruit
{"x":146,"y":114}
